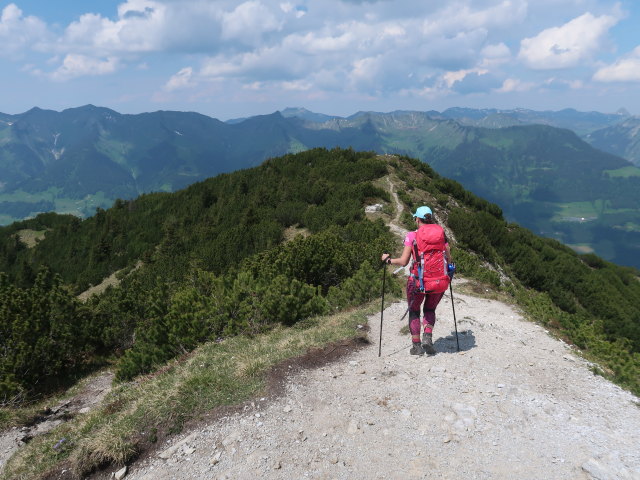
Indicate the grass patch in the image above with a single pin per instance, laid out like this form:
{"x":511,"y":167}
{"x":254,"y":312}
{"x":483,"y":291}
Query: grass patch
{"x":82,"y":207}
{"x":581,"y":247}
{"x":293,"y":231}
{"x":624,"y":172}
{"x":28,"y":413}
{"x":135,"y":415}
{"x":577,"y":210}
{"x":31,"y":237}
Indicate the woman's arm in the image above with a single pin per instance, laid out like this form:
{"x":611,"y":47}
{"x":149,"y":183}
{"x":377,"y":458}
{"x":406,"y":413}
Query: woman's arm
{"x":402,"y":260}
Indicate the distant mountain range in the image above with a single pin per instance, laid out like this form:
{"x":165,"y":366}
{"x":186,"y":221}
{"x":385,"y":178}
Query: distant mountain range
{"x":621,"y":139}
{"x":580,"y":122}
{"x":541,"y":173}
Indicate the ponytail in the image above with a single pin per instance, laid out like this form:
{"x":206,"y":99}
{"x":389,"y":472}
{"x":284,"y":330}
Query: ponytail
{"x":428,"y":218}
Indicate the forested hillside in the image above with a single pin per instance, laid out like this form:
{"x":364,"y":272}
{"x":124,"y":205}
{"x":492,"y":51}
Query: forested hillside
{"x":213,"y":265}
{"x":276,"y":244}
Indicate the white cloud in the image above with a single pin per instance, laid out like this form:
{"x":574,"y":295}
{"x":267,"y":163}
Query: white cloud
{"x":313,"y":43}
{"x":365,"y":72}
{"x":475,"y":80}
{"x":75,"y":65}
{"x":19,"y":33}
{"x":141,"y":27}
{"x":626,"y":69}
{"x":392,"y":50}
{"x":555,"y":83}
{"x":499,"y":50}
{"x":568,"y":45}
{"x":459,"y":16}
{"x":298,"y":85}
{"x":333,"y":48}
{"x":453,"y":53}
{"x":450,"y":78}
{"x":516,"y":85}
{"x":495,"y":54}
{"x":182,"y":79}
{"x":248,"y":22}
{"x":551,"y":83}
{"x":263,"y":65}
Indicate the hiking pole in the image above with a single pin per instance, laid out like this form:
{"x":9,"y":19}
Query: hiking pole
{"x":384,"y":276}
{"x":454,"y":314}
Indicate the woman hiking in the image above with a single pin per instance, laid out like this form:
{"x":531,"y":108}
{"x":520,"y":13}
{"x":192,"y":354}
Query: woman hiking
{"x":428,"y":249}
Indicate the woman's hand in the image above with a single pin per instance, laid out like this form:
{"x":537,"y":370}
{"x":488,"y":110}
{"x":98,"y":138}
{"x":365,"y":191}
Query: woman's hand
{"x":386,"y":258}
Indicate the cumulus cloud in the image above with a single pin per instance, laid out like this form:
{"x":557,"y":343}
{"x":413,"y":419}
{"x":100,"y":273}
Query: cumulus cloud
{"x":248,"y":22}
{"x":458,"y":16}
{"x":385,"y":49}
{"x":495,"y":54}
{"x":555,"y":83}
{"x":335,"y":47}
{"x":298,"y":10}
{"x":475,"y":82}
{"x":182,"y":79}
{"x":568,"y":45}
{"x":626,"y":69}
{"x":75,"y":65}
{"x":453,"y":53}
{"x":140,"y":27}
{"x":516,"y":85}
{"x":19,"y":32}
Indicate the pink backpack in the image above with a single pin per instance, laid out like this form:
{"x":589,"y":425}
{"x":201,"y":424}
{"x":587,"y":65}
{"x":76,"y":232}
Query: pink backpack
{"x":429,"y":262}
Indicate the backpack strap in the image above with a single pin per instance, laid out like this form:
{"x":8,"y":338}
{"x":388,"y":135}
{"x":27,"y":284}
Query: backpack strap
{"x":419,"y":260}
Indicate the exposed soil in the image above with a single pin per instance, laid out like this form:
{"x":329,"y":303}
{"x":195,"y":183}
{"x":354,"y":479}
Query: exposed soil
{"x":90,"y":395}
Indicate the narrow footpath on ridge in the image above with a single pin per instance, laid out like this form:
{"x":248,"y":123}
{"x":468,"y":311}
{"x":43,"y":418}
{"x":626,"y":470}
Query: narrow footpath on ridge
{"x":512,"y":403}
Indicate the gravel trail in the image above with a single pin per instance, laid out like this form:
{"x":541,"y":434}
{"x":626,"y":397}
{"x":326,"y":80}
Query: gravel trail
{"x":513,"y":403}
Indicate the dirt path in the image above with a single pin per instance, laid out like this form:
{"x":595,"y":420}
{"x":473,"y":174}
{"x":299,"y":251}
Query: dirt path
{"x":394,"y":225}
{"x":514,"y":403}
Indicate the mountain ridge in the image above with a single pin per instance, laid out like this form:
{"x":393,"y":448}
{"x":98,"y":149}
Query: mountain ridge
{"x":87,"y":157}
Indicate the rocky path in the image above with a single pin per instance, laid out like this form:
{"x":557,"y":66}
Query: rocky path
{"x":89,"y":394}
{"x":394,"y":225}
{"x":513,"y":403}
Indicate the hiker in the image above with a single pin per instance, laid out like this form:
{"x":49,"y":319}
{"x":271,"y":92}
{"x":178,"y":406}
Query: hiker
{"x":435,"y":253}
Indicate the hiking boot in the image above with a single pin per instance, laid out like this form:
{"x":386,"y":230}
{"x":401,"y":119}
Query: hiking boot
{"x":416,"y":349}
{"x":427,"y":344}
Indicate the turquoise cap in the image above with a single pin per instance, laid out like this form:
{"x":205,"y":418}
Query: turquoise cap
{"x":422,"y":212}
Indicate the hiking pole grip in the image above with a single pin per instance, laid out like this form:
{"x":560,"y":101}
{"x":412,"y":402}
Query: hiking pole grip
{"x":455,"y":324}
{"x":384,"y":276}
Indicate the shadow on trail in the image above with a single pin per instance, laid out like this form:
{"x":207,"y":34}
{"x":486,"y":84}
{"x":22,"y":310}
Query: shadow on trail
{"x":447,"y":344}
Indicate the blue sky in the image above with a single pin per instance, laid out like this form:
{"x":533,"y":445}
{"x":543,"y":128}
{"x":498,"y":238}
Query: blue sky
{"x":230,"y":59}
